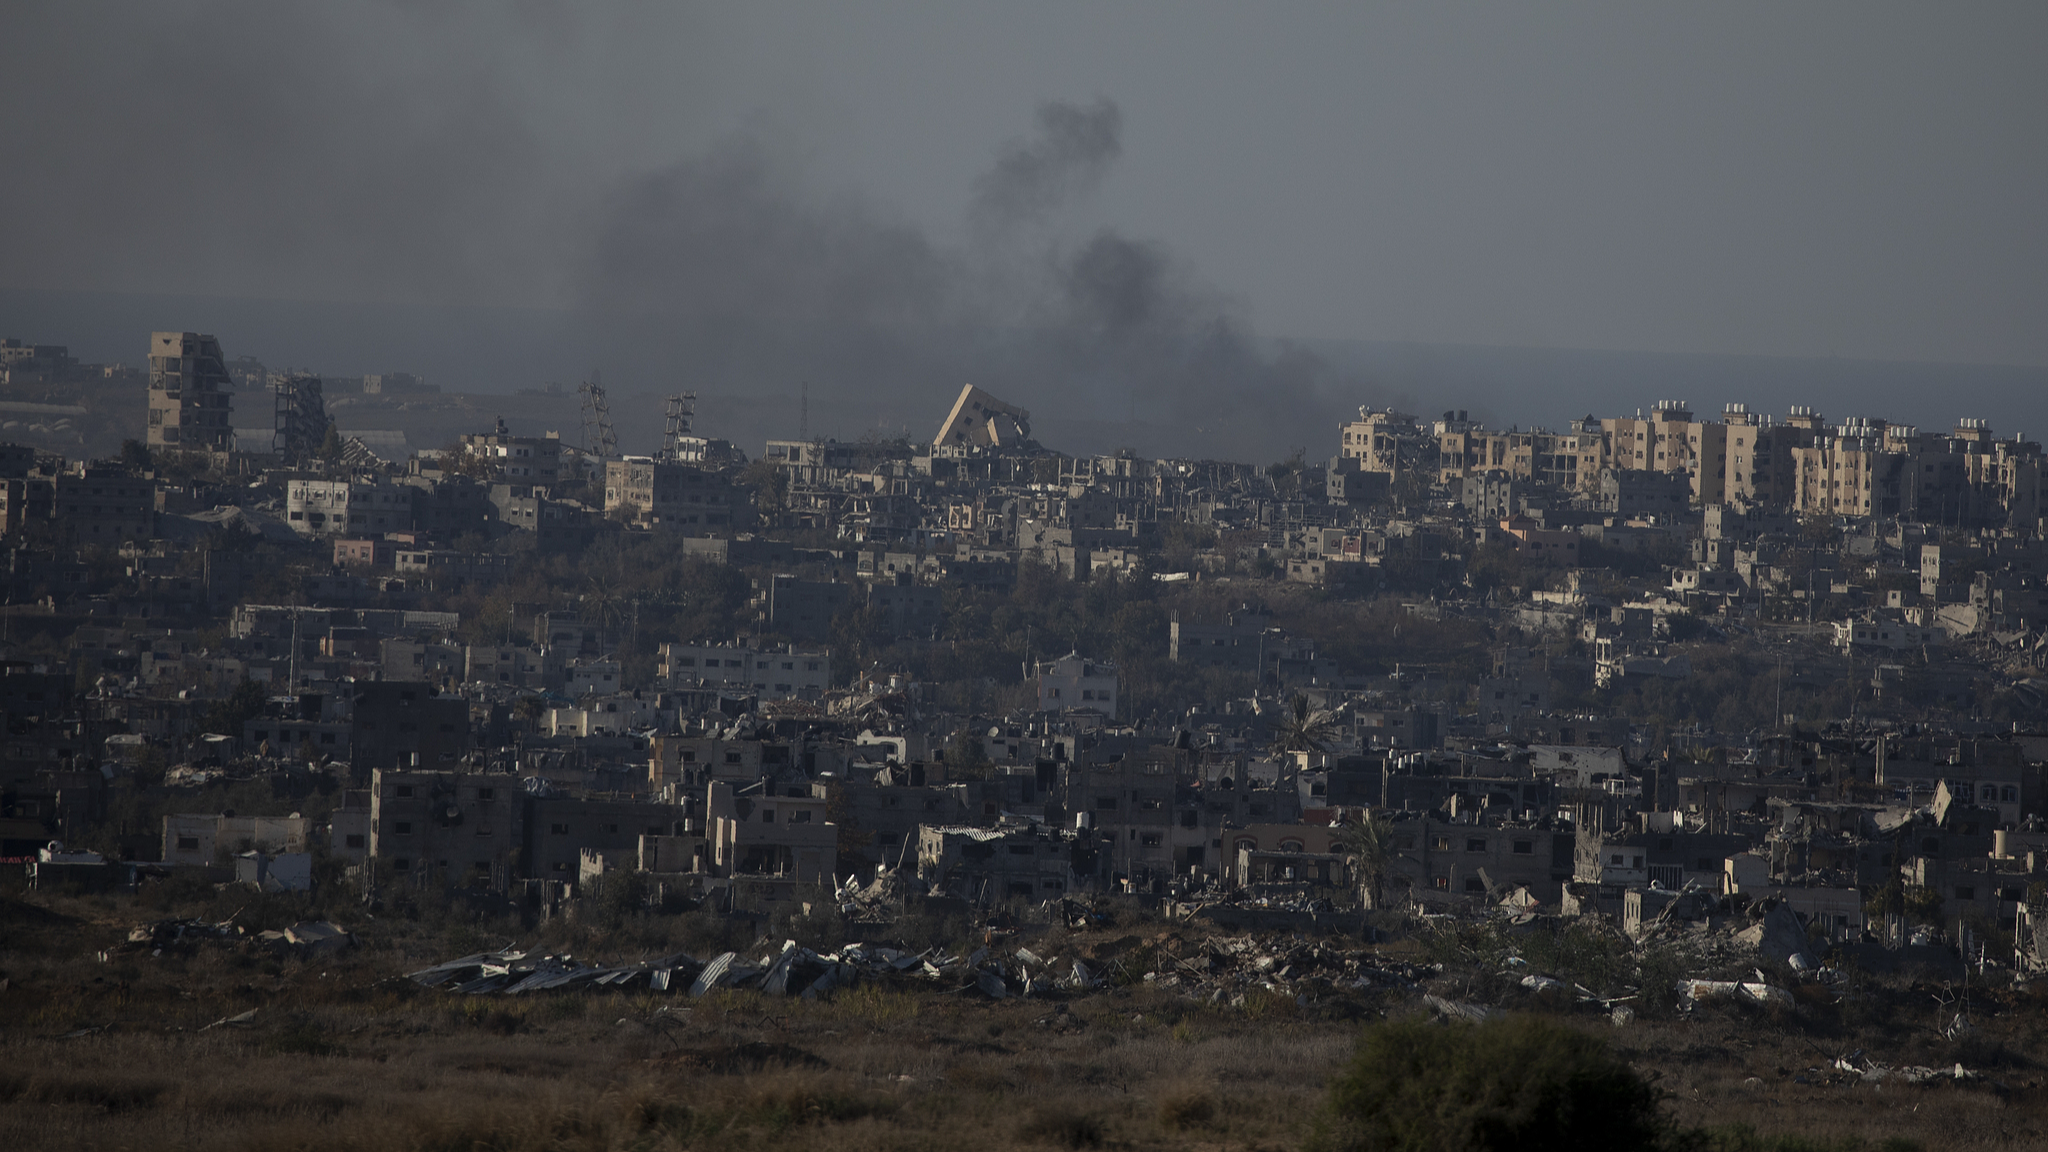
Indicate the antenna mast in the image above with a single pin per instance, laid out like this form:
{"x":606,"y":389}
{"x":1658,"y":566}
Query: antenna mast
{"x":599,"y":439}
{"x":682,"y":409}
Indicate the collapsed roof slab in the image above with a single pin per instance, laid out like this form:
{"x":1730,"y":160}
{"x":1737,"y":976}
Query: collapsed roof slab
{"x":979,"y":418}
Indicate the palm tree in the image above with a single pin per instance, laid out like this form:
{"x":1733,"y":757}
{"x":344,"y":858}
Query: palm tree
{"x":604,"y":605}
{"x":1369,"y":842}
{"x":1303,"y":729}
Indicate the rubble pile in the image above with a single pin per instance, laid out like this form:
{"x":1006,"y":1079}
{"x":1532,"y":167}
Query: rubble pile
{"x":306,"y":938}
{"x":1219,"y":969}
{"x":793,"y":969}
{"x":161,"y":934}
{"x":1855,"y":1068}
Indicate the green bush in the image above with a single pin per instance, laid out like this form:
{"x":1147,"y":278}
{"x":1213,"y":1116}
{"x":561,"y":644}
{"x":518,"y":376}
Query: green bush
{"x":1520,"y":1083}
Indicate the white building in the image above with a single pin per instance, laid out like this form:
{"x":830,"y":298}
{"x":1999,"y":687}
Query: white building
{"x":1072,"y":682}
{"x":317,"y":507}
{"x":199,"y":838}
{"x":613,"y":715}
{"x":788,"y":672}
{"x":601,"y":676}
{"x":1892,"y":635}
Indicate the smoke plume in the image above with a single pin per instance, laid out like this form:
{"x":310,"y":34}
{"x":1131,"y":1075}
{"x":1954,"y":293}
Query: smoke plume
{"x":756,"y":279}
{"x":1033,"y":177}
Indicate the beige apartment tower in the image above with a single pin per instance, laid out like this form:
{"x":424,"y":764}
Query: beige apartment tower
{"x":190,"y":394}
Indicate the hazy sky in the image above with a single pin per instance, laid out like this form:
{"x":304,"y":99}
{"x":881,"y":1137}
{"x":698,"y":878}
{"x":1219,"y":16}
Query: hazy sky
{"x":1856,"y":179}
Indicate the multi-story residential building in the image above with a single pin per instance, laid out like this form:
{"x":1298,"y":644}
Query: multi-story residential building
{"x":1637,"y":492}
{"x":1073,"y":683}
{"x":754,"y":831}
{"x":450,"y":828}
{"x":1017,"y":862}
{"x":24,"y":363}
{"x":1760,"y":468}
{"x":1244,"y":642}
{"x":448,"y":507}
{"x":501,"y":664}
{"x":103,"y":506}
{"x":203,"y":838}
{"x":367,"y":552}
{"x":1130,"y":803}
{"x":318,"y":506}
{"x":1671,"y":440}
{"x":535,"y":460}
{"x":558,"y":829}
{"x":406,"y":724}
{"x":1868,"y":467}
{"x":1377,"y":440}
{"x":190,"y":394}
{"x":1531,"y":541}
{"x":300,"y":421}
{"x":25,"y":500}
{"x":681,"y":497}
{"x":556,"y":525}
{"x":783,"y":672}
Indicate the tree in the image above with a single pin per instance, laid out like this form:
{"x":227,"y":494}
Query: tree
{"x":1494,"y":566}
{"x":1518,"y":1082}
{"x":966,"y":757}
{"x":330,"y":444}
{"x":135,"y":456}
{"x":1369,"y":843}
{"x":226,"y":717}
{"x":458,"y":460}
{"x":1302,"y":729}
{"x":770,"y":485}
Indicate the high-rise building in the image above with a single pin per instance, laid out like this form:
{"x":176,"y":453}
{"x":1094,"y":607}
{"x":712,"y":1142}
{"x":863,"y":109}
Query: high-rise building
{"x":190,"y":394}
{"x":301,"y":415}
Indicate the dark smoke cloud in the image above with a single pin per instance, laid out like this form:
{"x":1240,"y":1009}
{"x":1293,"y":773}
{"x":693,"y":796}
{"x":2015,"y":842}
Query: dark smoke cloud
{"x":726,"y":237}
{"x":757,"y":280}
{"x":1033,"y":177}
{"x":538,"y":153}
{"x":1115,"y":286}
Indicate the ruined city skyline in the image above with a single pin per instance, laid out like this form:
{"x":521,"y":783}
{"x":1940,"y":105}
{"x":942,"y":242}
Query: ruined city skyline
{"x":1408,"y":211}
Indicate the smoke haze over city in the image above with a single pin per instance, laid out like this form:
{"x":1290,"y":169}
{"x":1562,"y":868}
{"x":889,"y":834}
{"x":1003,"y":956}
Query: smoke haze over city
{"x":1204,"y":236}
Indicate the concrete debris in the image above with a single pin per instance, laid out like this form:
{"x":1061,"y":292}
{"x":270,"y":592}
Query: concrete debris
{"x":308,"y":938}
{"x":1703,"y":991}
{"x":1871,"y":1072}
{"x":168,"y":933}
{"x":1458,"y":1010}
{"x":1220,"y":969}
{"x":244,"y":1020}
{"x":1780,"y":937}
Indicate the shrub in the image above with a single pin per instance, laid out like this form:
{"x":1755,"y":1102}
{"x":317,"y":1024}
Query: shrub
{"x":1064,"y":1127}
{"x":1185,"y":1109}
{"x":1519,"y":1083}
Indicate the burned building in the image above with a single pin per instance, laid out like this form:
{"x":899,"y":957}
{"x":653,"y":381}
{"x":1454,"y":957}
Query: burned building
{"x":190,"y":394}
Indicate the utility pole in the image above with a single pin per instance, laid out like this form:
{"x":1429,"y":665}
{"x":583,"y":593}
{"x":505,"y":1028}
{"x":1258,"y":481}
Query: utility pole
{"x":1852,"y":691}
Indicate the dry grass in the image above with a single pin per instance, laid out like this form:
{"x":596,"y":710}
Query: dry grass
{"x":343,"y":1056}
{"x":728,"y":1076}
